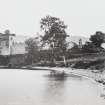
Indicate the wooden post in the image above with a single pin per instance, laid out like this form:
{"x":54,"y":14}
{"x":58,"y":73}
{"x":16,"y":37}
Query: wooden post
{"x":64,"y":60}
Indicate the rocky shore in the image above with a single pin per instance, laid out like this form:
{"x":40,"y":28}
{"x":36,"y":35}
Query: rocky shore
{"x":95,"y":75}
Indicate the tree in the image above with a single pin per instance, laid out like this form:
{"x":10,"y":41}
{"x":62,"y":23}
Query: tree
{"x":54,"y":35}
{"x":97,"y":39}
{"x":94,"y":45}
{"x":32,"y":49}
{"x":89,"y":47}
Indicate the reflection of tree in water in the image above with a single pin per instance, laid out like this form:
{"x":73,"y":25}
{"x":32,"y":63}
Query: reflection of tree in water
{"x":54,"y":90}
{"x":58,"y":75}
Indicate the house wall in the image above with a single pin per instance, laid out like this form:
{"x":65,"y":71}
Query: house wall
{"x":6,"y":41}
{"x":9,"y":46}
{"x":11,"y":52}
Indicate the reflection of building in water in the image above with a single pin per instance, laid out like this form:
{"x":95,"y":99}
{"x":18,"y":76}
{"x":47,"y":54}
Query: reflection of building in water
{"x":54,"y":90}
{"x":8,"y":44}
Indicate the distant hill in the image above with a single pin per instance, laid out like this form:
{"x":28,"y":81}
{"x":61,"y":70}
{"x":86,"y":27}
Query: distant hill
{"x":77,"y":38}
{"x":20,"y":38}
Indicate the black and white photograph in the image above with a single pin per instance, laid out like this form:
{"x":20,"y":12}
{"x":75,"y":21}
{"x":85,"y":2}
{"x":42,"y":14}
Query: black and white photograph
{"x":52,"y":52}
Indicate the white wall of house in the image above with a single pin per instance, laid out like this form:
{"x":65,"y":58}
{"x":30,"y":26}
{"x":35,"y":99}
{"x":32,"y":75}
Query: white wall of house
{"x":4,"y":44}
{"x":8,"y":45}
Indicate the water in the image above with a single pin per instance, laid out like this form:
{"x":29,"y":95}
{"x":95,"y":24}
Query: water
{"x":19,"y":87}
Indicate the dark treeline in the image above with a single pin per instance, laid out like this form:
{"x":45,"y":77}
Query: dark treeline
{"x":51,"y":46}
{"x":53,"y":38}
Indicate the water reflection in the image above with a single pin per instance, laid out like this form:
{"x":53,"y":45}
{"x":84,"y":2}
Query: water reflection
{"x":57,"y":76}
{"x":54,"y":89}
{"x":70,"y":89}
{"x":42,"y":88}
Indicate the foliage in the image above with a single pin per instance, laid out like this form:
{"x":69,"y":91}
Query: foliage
{"x":54,"y":34}
{"x":98,"y":38}
{"x":32,"y":49}
{"x":4,"y":60}
{"x":89,"y":47}
{"x":95,"y":43}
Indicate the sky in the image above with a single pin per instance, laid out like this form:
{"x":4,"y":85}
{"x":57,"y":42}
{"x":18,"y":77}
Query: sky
{"x":22,"y":17}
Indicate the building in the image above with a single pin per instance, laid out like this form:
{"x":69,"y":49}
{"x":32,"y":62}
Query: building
{"x":6,"y":41}
{"x":12,"y":52}
{"x":9,"y":46}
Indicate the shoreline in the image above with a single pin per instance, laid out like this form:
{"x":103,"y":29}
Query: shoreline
{"x":96,"y":76}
